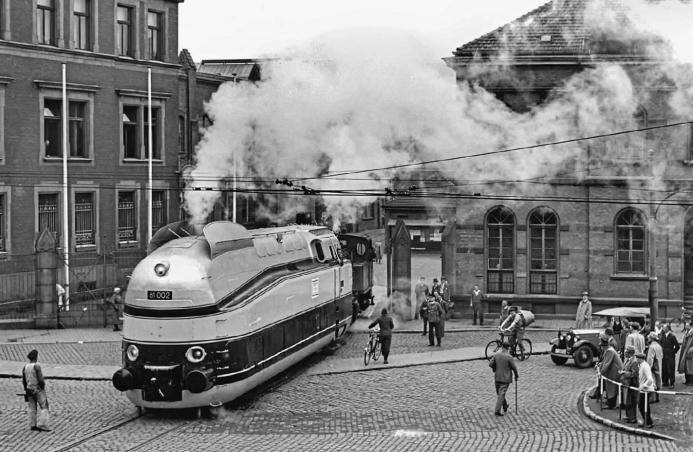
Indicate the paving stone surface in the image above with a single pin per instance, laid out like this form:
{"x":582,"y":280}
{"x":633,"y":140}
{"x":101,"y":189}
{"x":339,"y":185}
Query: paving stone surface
{"x":432,"y":407}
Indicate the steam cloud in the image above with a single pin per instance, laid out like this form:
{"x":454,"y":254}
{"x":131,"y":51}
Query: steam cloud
{"x":367,"y":99}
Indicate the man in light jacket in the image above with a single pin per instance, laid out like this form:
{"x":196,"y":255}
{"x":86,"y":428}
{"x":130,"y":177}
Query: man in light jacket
{"x":635,"y":339}
{"x":583,"y":316}
{"x":654,"y":358}
{"x":646,"y":386}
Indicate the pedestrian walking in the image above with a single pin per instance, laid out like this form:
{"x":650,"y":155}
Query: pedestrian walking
{"x":386,"y":326}
{"x":421,"y":292}
{"x":583,"y":316}
{"x":476,"y":303}
{"x":646,"y":386}
{"x":635,"y":339}
{"x":35,"y":393}
{"x":686,"y":357}
{"x":378,"y":252}
{"x":610,"y":367}
{"x":670,"y":346}
{"x":435,"y":313}
{"x":503,"y":366}
{"x":113,"y":303}
{"x":630,"y":379}
{"x":654,"y":358}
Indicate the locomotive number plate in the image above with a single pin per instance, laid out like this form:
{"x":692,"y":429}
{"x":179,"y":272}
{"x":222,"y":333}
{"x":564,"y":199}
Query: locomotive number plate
{"x":159,"y":295}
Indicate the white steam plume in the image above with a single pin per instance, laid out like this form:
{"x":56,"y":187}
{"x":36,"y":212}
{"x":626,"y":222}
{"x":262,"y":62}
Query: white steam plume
{"x":367,"y":99}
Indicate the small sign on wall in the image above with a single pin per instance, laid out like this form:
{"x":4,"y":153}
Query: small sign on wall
{"x":314,"y":287}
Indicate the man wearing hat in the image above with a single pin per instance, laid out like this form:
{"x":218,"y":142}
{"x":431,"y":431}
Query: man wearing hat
{"x":635,"y":339}
{"x":35,"y":393}
{"x":610,"y":367}
{"x":646,"y":386}
{"x":629,"y":378}
{"x":583,"y":317}
{"x":654,"y":358}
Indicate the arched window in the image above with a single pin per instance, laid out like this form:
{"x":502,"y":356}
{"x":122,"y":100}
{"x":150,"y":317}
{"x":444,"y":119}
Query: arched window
{"x":630,"y":242}
{"x":500,"y":232}
{"x":543,"y":251}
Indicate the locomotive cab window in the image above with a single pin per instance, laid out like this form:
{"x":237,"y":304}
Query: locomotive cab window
{"x":317,"y":249}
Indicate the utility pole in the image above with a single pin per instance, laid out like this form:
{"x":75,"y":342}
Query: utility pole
{"x":652,"y":295}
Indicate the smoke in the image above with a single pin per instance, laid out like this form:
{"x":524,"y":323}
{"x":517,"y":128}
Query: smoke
{"x":363,"y":99}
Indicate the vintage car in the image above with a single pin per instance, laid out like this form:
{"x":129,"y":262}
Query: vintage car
{"x":582,"y":345}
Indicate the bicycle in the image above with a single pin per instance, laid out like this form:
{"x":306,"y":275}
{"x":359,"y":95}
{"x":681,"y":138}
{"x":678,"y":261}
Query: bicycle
{"x":495,"y":345}
{"x":372,"y":348}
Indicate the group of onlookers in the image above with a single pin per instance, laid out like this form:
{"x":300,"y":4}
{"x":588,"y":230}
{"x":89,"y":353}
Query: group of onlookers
{"x":434,"y":307}
{"x":642,"y":359}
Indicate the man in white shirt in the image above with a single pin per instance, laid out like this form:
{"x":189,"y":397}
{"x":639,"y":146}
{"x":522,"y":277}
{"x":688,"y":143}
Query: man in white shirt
{"x":646,"y":386}
{"x":636,"y":339}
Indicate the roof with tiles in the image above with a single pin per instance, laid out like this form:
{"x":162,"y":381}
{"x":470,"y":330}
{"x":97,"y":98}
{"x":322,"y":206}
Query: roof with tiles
{"x":558,"y":28}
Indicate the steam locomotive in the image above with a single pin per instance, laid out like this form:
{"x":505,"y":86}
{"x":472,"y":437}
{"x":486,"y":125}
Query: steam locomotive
{"x":208,"y":317}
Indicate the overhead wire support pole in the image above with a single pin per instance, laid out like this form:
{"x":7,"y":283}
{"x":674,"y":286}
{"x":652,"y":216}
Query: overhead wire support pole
{"x":66,"y":216}
{"x":235,"y":173}
{"x":151,"y":152}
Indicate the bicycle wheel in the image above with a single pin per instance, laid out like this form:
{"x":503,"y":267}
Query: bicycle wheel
{"x":525,"y":351}
{"x":491,"y":348}
{"x":366,"y":355}
{"x":376,"y":350}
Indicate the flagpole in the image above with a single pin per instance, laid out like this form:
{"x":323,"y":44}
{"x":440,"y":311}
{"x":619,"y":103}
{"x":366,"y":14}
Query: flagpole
{"x":66,"y":230}
{"x":151,"y":152}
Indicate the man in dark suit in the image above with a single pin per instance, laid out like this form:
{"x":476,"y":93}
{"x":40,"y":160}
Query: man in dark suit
{"x":670,"y":346}
{"x":503,"y":366}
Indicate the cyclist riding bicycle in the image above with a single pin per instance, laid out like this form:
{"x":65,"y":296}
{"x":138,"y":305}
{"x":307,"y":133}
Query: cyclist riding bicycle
{"x":386,"y":325}
{"x":514,"y":326}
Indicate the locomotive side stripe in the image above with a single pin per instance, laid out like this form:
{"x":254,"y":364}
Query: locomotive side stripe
{"x":249,"y":333}
{"x":247,"y":295}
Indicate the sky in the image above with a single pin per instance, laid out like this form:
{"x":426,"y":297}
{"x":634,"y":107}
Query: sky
{"x":228,"y":29}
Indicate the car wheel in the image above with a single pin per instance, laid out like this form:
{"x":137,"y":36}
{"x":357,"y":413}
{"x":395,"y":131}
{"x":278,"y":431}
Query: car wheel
{"x":557,"y":359}
{"x":583,"y":357}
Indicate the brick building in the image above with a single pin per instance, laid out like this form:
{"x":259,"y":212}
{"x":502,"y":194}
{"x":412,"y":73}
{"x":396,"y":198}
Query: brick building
{"x":597,"y":226}
{"x":107,"y":46}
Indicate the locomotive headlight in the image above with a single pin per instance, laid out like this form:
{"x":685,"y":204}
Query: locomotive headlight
{"x":195,"y":354}
{"x":132,"y":352}
{"x":161,"y":268}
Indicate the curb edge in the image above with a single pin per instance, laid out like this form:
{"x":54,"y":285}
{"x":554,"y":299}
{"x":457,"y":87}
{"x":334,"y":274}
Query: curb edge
{"x":615,"y":425}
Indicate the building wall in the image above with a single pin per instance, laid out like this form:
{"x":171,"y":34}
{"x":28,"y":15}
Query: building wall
{"x":106,"y":81}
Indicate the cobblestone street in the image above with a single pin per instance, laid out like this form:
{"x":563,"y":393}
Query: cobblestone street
{"x":433,"y":407}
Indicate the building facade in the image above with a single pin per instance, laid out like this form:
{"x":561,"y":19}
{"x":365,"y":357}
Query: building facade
{"x":599,"y":226}
{"x":107,"y":47}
